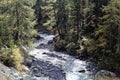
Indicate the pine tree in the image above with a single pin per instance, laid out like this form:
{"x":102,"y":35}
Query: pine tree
{"x":49,"y":14}
{"x":77,"y":16}
{"x":108,"y":32}
{"x":38,"y":11}
{"x":22,"y":15}
{"x":17,"y":21}
{"x":61,"y":19}
{"x":16,"y":29}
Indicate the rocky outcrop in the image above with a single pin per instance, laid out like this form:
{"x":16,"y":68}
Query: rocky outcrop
{"x":104,"y":73}
{"x":3,"y":76}
{"x":5,"y":73}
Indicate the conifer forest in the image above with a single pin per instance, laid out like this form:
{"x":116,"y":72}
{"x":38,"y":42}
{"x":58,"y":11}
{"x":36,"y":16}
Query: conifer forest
{"x":60,"y":39}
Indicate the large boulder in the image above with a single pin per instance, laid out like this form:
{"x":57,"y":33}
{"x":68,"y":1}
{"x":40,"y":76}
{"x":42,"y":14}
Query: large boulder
{"x":28,"y":61}
{"x":104,"y":73}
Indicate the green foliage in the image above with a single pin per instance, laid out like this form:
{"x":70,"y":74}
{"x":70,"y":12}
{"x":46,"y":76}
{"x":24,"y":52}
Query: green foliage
{"x":71,"y":47}
{"x":71,"y":36}
{"x":18,"y":25}
{"x":60,"y":44}
{"x":108,"y":33}
{"x":49,"y":13}
{"x":61,"y":18}
{"x":90,"y":25}
{"x":12,"y":57}
{"x":38,"y":11}
{"x":16,"y":29}
{"x":16,"y":57}
{"x":96,"y":20}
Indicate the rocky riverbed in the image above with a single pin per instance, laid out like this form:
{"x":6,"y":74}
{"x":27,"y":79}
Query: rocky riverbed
{"x":43,"y":63}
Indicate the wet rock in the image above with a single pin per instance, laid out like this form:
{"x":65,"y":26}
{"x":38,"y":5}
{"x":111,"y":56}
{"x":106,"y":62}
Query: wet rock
{"x":38,"y":37}
{"x":82,"y":71}
{"x":84,"y":54}
{"x":88,"y":69}
{"x":40,"y":78}
{"x":46,"y":32}
{"x":41,"y":68}
{"x":55,"y":56}
{"x":105,"y":73}
{"x":28,"y":61}
{"x":91,"y":67}
{"x":44,"y":53}
{"x":41,"y":45}
{"x":50,"y":42}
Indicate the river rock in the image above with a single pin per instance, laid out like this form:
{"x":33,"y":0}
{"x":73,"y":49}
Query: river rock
{"x":38,"y":37}
{"x":7,"y":73}
{"x":28,"y":61}
{"x":105,"y":73}
{"x":50,"y":42}
{"x":82,"y":71}
{"x":42,"y":69}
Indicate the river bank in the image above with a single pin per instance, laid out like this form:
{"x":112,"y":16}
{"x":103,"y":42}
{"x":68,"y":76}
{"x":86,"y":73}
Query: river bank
{"x":43,"y":63}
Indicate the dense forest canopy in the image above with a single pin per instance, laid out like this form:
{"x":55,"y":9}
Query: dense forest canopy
{"x":82,"y":27}
{"x":16,"y":29}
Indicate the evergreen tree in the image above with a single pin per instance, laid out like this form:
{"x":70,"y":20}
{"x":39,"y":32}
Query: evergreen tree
{"x":38,"y":11}
{"x":77,"y":16}
{"x":16,"y":29}
{"x":49,"y":14}
{"x":21,"y":15}
{"x":108,"y":33}
{"x":61,"y":19}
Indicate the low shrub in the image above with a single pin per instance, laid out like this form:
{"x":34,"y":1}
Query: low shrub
{"x":71,"y":47}
{"x":12,"y":57}
{"x":60,"y":44}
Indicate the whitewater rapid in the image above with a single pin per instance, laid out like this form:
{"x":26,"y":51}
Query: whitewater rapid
{"x":73,"y":68}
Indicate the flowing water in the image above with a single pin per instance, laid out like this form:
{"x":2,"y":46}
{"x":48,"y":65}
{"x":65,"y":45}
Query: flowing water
{"x":72,"y":68}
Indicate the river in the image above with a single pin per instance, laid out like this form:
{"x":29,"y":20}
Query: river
{"x":58,"y":65}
